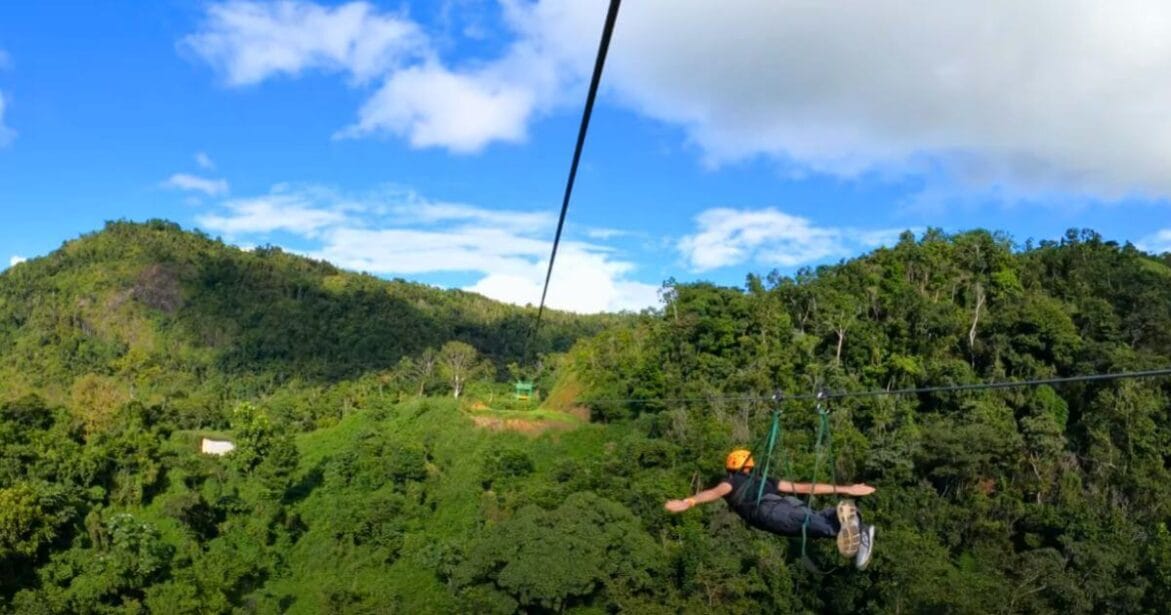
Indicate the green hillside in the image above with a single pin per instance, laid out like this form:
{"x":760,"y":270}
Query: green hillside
{"x":352,"y":492}
{"x":149,"y":313}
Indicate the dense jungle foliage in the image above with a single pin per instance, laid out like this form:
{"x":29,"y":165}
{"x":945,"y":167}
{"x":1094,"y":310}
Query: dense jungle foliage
{"x":362,"y":483}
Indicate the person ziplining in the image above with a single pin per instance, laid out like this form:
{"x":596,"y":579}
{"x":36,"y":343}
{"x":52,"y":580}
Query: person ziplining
{"x":769,"y":504}
{"x":768,"y":509}
{"x":786,"y":515}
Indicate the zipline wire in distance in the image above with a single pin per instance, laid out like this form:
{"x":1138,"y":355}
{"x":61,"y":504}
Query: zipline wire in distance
{"x":954,"y":388}
{"x":603,"y":47}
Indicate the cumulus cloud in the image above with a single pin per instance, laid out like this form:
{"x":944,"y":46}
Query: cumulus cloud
{"x":1043,"y":98}
{"x":414,"y":251}
{"x":16,"y":260}
{"x":432,"y":106}
{"x":1025,"y":98}
{"x":398,"y":232}
{"x":421,"y":98}
{"x":770,"y":237}
{"x":6,"y":133}
{"x":494,"y":99}
{"x":210,"y":187}
{"x":204,"y":161}
{"x":1156,"y":243}
{"x":590,"y":281}
{"x":249,"y":42}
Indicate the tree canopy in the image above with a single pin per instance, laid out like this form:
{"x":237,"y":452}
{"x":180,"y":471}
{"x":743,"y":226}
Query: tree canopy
{"x":361,"y":481}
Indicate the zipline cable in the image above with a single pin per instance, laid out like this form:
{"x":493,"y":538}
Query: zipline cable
{"x":955,"y":388}
{"x":587,"y":112}
{"x":603,"y":46}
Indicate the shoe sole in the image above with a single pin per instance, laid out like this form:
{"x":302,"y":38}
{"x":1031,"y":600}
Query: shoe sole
{"x":850,"y":534}
{"x":869,"y":552}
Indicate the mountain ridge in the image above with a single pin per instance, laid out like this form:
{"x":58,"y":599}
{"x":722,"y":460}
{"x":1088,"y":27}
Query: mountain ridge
{"x":150,"y":311}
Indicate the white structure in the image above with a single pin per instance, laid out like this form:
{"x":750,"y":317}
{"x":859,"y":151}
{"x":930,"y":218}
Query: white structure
{"x":216,"y":447}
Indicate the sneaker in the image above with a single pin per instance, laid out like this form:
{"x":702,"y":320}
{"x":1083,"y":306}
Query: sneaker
{"x":850,"y":534}
{"x":866,"y":549}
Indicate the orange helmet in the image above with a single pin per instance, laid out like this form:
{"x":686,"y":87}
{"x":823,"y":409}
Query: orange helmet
{"x":739,"y":459}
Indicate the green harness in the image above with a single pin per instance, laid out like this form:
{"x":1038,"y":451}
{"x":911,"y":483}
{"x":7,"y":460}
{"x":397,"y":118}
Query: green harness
{"x":770,"y":444}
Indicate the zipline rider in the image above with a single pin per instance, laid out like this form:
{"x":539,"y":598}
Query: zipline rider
{"x":787,"y":515}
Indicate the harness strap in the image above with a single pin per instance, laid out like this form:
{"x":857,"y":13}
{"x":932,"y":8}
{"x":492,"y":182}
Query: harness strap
{"x":774,"y":436}
{"x":820,"y":452}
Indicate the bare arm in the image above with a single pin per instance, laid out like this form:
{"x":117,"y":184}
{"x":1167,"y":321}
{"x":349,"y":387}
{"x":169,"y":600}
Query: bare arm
{"x":857,"y":490}
{"x":703,"y":497}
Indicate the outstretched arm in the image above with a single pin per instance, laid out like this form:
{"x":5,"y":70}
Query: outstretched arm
{"x":703,"y":497}
{"x":857,"y":490}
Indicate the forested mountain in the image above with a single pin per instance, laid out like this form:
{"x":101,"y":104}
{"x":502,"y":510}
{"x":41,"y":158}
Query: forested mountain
{"x":352,"y":490}
{"x":1019,"y":500}
{"x":150,"y":313}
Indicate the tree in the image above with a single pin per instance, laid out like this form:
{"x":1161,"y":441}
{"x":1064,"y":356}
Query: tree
{"x":589,"y":551}
{"x":136,"y":553}
{"x":421,"y":370}
{"x":30,"y":517}
{"x":263,"y":448}
{"x":459,"y":363}
{"x":838,"y":311}
{"x":96,"y":400}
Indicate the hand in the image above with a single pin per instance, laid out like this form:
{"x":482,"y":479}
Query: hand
{"x":677,"y":506}
{"x":859,"y":489}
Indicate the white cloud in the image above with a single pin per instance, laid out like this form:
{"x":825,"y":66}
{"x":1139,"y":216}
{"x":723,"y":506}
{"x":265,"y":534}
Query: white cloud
{"x":204,"y":161}
{"x":251,"y":41}
{"x":771,"y":238}
{"x":583,"y":281}
{"x":464,"y":110}
{"x":434,"y":107}
{"x":16,"y":260}
{"x":422,"y":99}
{"x":397,"y":232}
{"x":411,"y":251}
{"x":418,"y":210}
{"x":1025,"y":98}
{"x":294,"y":213}
{"x":1156,"y":243}
{"x":586,"y":279}
{"x":544,"y":68}
{"x":1049,"y":99}
{"x":210,"y":187}
{"x":1046,"y":99}
{"x":603,"y":234}
{"x":6,"y":133}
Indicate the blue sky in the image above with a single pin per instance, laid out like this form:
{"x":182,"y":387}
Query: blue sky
{"x":431,"y":140}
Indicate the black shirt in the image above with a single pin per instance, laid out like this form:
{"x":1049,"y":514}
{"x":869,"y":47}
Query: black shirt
{"x":745,"y":487}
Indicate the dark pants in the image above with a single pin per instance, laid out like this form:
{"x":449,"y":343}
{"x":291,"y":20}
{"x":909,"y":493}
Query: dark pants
{"x":785,"y":515}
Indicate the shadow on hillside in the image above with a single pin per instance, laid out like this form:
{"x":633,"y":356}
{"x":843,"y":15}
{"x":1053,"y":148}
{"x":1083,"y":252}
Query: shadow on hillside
{"x":271,"y":312}
{"x":304,"y":488}
{"x":267,"y":311}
